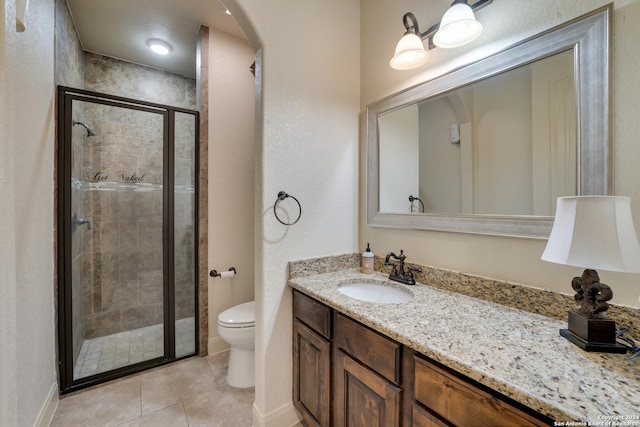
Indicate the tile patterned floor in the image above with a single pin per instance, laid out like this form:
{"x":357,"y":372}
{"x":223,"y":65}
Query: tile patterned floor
{"x":113,"y":351}
{"x":189,"y":393}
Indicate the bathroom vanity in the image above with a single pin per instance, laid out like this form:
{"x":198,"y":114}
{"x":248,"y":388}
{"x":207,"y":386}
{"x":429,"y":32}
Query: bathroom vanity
{"x":380,"y":382}
{"x":443,"y":359}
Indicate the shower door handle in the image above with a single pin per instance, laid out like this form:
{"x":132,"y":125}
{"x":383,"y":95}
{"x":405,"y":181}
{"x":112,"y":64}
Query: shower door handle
{"x":75,"y":222}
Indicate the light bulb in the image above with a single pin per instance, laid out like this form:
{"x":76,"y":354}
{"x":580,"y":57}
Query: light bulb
{"x":458,"y":27}
{"x":160,"y":47}
{"x":409,"y":54}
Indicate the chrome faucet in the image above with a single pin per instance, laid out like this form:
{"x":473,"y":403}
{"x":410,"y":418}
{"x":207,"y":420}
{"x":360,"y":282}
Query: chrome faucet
{"x":398,"y":273}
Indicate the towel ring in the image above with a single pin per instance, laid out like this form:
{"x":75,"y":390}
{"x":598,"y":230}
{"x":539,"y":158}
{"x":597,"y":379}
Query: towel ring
{"x":281,"y":196}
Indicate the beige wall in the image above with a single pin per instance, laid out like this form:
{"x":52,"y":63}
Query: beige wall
{"x":501,"y":115}
{"x":308,"y":122}
{"x":399,"y":160}
{"x":505,"y":22}
{"x":27,"y":334}
{"x":231,"y":175}
{"x":440,"y":177}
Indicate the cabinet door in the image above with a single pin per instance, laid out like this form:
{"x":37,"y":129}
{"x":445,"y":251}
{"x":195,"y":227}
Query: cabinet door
{"x":311,"y":375}
{"x":362,"y":397}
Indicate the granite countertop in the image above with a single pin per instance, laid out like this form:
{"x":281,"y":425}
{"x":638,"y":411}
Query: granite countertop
{"x":517,"y":353}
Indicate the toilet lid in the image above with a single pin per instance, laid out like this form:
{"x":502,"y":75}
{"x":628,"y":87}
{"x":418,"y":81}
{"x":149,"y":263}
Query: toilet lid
{"x":239,"y":316}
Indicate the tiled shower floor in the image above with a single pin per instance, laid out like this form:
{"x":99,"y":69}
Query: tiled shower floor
{"x":114,"y":351}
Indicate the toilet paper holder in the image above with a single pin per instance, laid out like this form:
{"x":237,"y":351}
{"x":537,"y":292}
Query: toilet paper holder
{"x":214,"y":273}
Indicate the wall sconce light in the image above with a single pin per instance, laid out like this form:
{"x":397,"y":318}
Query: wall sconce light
{"x":593,"y":232}
{"x":457,"y":28}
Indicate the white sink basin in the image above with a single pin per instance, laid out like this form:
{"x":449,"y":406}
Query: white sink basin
{"x":375,"y":292}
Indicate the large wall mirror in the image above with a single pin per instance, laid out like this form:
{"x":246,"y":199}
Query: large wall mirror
{"x":488,"y":148}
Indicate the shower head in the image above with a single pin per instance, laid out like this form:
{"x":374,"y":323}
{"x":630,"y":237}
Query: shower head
{"x":90,"y":132}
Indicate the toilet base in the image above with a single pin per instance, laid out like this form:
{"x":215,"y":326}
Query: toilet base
{"x":241,"y":372}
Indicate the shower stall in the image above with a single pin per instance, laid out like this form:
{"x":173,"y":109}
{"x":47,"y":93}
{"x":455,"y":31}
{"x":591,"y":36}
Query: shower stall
{"x":127,"y":236}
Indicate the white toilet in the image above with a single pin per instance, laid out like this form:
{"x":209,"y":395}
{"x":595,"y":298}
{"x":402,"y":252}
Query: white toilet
{"x":237,"y":327}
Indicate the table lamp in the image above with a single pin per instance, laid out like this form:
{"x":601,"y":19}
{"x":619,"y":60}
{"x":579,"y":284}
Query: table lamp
{"x":593,"y":232}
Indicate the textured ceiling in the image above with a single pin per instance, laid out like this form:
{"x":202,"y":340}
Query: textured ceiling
{"x":121,"y":28}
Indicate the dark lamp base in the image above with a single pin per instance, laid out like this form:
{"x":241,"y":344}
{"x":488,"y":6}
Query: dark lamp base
{"x":592,"y":334}
{"x":593,"y":346}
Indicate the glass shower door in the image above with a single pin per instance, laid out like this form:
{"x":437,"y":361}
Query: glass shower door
{"x":185,"y":240}
{"x":128,"y":243}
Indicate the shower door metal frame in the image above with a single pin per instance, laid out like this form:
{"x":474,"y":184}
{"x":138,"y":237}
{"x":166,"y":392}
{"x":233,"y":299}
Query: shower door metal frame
{"x":66,"y":96}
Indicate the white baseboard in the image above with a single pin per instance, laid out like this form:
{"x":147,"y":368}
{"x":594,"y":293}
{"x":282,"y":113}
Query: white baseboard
{"x":284,"y":416}
{"x":48,"y":408}
{"x":217,"y":345}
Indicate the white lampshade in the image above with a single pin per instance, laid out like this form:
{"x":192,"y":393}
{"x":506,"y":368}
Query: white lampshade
{"x":594,"y":232}
{"x":410,"y":53}
{"x":457,"y":27}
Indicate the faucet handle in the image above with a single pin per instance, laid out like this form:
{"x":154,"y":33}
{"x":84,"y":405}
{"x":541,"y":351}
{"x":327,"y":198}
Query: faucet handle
{"x":412,"y":270}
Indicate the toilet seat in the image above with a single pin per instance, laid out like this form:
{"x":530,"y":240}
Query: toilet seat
{"x":239,"y":316}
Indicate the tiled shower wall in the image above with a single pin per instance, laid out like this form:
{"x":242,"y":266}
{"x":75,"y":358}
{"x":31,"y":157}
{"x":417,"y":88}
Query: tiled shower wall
{"x":122,"y":255}
{"x":122,"y":258}
{"x":115,"y":77}
{"x":69,"y":72}
{"x":202,"y":92}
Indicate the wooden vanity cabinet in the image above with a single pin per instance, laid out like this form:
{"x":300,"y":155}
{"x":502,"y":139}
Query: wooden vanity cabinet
{"x":312,"y":360}
{"x":367,"y":380}
{"x":346,"y":374}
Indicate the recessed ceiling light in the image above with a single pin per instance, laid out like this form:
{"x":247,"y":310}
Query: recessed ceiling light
{"x":227,"y":12}
{"x":160,"y":47}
